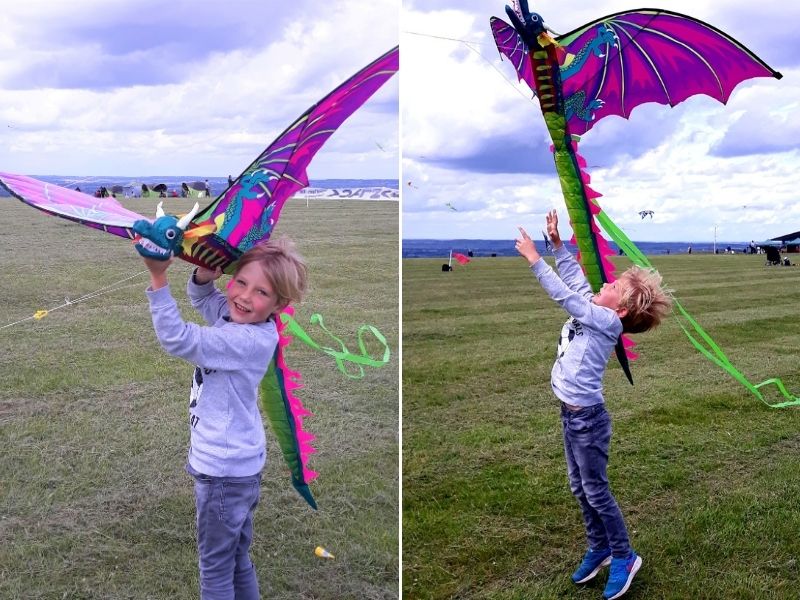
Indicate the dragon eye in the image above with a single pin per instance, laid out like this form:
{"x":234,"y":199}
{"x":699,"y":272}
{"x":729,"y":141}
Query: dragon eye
{"x":170,"y":234}
{"x":534,"y":18}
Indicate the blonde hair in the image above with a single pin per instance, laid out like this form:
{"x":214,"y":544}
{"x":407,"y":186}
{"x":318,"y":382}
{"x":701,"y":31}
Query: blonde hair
{"x":283,"y":267}
{"x":646,"y":301}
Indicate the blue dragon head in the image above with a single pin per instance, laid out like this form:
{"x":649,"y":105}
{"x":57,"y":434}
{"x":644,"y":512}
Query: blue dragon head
{"x":529,"y":25}
{"x":161,"y":239}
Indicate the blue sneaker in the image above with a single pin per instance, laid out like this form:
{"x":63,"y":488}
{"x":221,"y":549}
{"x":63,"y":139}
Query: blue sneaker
{"x":592,"y":562}
{"x":621,"y":575}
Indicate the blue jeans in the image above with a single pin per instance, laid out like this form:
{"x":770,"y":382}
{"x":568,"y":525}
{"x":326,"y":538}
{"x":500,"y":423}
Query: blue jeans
{"x":587,"y":435}
{"x":225,"y":507}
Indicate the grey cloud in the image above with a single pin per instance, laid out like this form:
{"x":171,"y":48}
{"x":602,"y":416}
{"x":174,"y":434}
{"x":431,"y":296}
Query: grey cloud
{"x":757,"y":134}
{"x":144,"y":42}
{"x":500,"y":155}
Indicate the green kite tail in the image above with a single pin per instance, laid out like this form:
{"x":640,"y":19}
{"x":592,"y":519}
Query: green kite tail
{"x":707,"y":347}
{"x":284,"y":410}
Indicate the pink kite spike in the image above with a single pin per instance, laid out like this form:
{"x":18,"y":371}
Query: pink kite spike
{"x":592,"y":194}
{"x":305,"y":436}
{"x":292,"y":384}
{"x":628,"y":343}
{"x":309,"y":475}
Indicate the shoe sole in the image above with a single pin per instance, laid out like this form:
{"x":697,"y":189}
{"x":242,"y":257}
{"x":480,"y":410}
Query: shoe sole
{"x":592,"y":575}
{"x":637,"y":564}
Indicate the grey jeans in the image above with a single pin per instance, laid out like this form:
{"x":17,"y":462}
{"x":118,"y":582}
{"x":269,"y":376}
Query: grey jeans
{"x":225,"y":507}
{"x":587,"y":436}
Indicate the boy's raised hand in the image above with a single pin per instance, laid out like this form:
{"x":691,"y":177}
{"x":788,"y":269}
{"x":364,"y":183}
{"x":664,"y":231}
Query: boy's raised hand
{"x":526,"y":247}
{"x":552,"y":228}
{"x":158,"y":271}
{"x":202,"y":276}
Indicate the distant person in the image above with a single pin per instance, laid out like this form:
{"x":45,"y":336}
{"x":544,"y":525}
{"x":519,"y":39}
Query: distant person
{"x":230,"y":181}
{"x":230,"y":355}
{"x":634,"y":303}
{"x":689,"y":250}
{"x":208,"y":189}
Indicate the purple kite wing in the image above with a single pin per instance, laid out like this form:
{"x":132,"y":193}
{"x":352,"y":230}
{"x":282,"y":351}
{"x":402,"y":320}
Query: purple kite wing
{"x":510,"y":45}
{"x":614,"y":64}
{"x":247,"y":211}
{"x":105,"y":214}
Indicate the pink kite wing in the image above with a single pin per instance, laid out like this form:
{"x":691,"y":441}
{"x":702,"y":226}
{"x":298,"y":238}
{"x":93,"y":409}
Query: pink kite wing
{"x":105,"y":214}
{"x":246,"y":212}
{"x":618,"y":62}
{"x":510,"y":45}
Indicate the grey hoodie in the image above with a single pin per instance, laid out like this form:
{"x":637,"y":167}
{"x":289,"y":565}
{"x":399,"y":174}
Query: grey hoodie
{"x":226,"y":430}
{"x":587,"y":338}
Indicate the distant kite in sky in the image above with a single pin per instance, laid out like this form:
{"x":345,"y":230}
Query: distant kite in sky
{"x":238,"y":219}
{"x":411,"y":185}
{"x":450,"y":206}
{"x":609,"y":67}
{"x":644,"y":213}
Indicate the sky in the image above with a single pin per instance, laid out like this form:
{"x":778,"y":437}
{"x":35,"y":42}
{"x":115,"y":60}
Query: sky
{"x":188,"y":87}
{"x":473,"y":137}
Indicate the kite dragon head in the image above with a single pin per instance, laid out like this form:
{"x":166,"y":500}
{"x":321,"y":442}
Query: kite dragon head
{"x":529,"y":25}
{"x":161,"y":239}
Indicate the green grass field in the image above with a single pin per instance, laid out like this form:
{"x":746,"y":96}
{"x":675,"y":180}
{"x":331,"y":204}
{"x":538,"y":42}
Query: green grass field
{"x":707,"y":476}
{"x":94,"y":502}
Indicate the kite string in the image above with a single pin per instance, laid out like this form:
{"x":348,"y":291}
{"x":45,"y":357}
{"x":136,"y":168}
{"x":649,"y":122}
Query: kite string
{"x":341,"y":356}
{"x":113,"y":287}
{"x":471,"y":45}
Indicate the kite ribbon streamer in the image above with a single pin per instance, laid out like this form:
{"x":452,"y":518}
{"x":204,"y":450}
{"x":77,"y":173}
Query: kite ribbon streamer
{"x":710,"y":350}
{"x":344,"y":355}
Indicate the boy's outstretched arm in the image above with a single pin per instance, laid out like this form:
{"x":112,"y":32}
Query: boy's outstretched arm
{"x":568,"y":268}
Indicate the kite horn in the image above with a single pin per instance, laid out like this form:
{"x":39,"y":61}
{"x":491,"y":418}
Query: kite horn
{"x":187,"y":218}
{"x":551,"y":31}
{"x":159,"y":210}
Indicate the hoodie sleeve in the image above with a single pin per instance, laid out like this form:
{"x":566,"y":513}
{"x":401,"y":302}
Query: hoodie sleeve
{"x":571,"y":273}
{"x":574,"y":302}
{"x":224,"y":348}
{"x":207,"y":300}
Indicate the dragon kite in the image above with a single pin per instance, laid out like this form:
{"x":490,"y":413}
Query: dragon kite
{"x":239,"y":218}
{"x":609,"y":67}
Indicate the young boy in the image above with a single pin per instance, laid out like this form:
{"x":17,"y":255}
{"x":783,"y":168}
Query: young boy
{"x":632,"y":304}
{"x":228,"y":447}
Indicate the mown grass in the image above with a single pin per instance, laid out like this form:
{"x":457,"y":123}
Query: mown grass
{"x":706,"y":474}
{"x":94,"y":502}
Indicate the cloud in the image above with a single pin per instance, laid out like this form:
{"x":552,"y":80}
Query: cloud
{"x":187,"y":87}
